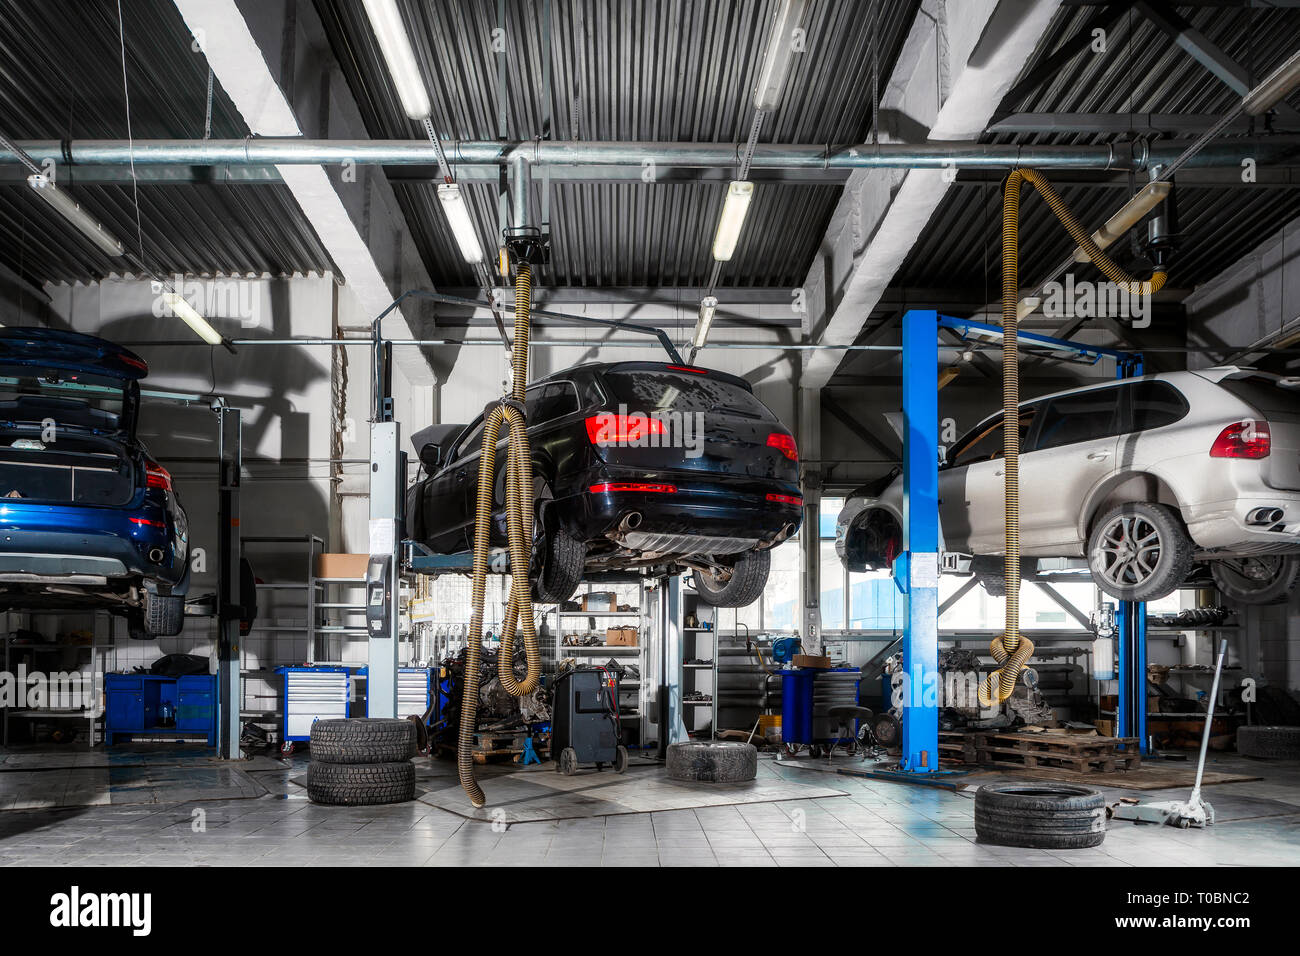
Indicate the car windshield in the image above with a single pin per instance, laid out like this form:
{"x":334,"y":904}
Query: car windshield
{"x":651,"y":391}
{"x":33,"y":396}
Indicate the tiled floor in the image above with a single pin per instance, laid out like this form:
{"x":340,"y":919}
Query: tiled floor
{"x":874,"y":823}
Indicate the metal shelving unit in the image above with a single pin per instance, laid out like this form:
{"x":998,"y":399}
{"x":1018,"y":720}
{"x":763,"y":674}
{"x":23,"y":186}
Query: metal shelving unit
{"x":699,"y":642}
{"x":99,"y":648}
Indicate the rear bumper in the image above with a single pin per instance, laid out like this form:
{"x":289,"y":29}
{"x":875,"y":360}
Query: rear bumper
{"x":720,"y":516}
{"x":59,"y":545}
{"x":1224,"y":526}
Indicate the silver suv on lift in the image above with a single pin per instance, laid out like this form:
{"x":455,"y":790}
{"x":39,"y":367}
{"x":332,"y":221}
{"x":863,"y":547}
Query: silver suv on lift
{"x":1143,"y":478}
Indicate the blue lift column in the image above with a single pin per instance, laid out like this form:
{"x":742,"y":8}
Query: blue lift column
{"x":1131,"y":635}
{"x":916,"y":571}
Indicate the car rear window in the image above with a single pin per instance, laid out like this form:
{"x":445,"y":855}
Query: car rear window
{"x":33,"y":396}
{"x":1156,"y":404}
{"x":650,"y":391}
{"x":1270,"y":397}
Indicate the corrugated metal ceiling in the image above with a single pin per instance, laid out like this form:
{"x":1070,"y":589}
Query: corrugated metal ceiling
{"x":62,"y":75}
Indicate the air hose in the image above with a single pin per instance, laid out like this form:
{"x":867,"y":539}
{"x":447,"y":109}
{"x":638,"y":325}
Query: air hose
{"x":1010,"y":650}
{"x":519,"y":529}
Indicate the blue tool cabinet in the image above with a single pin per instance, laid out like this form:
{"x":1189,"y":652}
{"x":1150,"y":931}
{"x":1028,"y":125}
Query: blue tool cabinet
{"x":136,"y":703}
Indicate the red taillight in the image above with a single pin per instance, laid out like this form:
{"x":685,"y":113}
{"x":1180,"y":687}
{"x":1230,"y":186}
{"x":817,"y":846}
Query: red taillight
{"x":786,"y":499}
{"x":146,"y":521}
{"x":632,"y":486}
{"x":784,"y":444}
{"x":687,"y":368}
{"x":157,"y":476}
{"x":1248,"y":439}
{"x":610,"y":429}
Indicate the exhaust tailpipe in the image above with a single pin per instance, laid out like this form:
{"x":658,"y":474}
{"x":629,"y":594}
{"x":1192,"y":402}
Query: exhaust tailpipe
{"x":630,"y":521}
{"x":156,"y":555}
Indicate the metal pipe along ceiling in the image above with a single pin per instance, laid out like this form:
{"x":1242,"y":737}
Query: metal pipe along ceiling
{"x":295,"y":151}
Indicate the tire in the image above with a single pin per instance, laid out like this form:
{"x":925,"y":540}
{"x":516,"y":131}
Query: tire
{"x":568,"y":762}
{"x":1264,"y":579}
{"x":620,"y":759}
{"x":360,"y":784}
{"x":995,"y":585}
{"x":164,"y":616}
{"x":887,"y":731}
{"x":563,"y":560}
{"x":363,"y":740}
{"x":1131,"y":531}
{"x":1269,"y":742}
{"x":1040,"y":816}
{"x":743,"y":588}
{"x":712,"y":761}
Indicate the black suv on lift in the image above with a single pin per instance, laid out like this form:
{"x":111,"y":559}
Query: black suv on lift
{"x":636,"y":464}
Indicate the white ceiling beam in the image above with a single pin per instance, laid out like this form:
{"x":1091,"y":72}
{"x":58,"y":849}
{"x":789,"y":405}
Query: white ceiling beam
{"x":356,"y":217}
{"x":957,"y":63}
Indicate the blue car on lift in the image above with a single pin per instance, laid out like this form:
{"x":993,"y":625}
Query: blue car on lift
{"x":87,"y":518}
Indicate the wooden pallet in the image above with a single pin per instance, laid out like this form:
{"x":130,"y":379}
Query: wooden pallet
{"x":1082,"y":754}
{"x":500,"y":746}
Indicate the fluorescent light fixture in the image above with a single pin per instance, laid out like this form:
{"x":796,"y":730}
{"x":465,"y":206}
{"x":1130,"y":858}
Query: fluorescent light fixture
{"x":462,"y":227}
{"x":190,"y":316}
{"x":72,"y":212}
{"x":1276,"y":86}
{"x":1026,"y":306}
{"x":708,"y":306}
{"x":780,"y":52}
{"x":734,"y":210}
{"x":386,"y":21}
{"x":1143,"y":201}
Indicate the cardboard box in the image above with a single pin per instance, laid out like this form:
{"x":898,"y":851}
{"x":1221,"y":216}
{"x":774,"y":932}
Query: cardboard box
{"x":600,"y":601}
{"x":808,"y":660}
{"x":621,"y":636}
{"x":341,"y":565}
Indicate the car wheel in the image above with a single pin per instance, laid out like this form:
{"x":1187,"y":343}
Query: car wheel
{"x":164,"y":615}
{"x":563,"y":560}
{"x":1260,"y":579}
{"x":994,"y":585}
{"x":135,"y":628}
{"x":743,"y":588}
{"x":1139,"y":551}
{"x":1046,"y":816}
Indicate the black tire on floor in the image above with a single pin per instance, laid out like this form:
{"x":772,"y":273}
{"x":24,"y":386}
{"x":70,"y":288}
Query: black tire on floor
{"x":743,"y":588}
{"x":1259,"y":579}
{"x":713,"y":761}
{"x":620,"y":759}
{"x":1043,"y":816}
{"x":1269,"y":742}
{"x":360,"y":784}
{"x":353,"y":740}
{"x":568,"y":762}
{"x":1139,"y":551}
{"x":164,"y":616}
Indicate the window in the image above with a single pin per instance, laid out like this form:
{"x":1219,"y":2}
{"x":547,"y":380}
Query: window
{"x":1155,"y":404}
{"x":1084,"y":416}
{"x":649,"y":391}
{"x":471,"y":442}
{"x":551,"y":401}
{"x":984,"y":442}
{"x":75,"y":399}
{"x":1270,"y":397}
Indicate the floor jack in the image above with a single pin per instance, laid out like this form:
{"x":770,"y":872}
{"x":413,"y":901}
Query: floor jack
{"x":1195,"y":812}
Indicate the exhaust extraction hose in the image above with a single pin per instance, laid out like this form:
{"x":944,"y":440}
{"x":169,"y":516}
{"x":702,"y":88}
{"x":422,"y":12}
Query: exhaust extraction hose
{"x":1010,"y":650}
{"x":519,"y":528}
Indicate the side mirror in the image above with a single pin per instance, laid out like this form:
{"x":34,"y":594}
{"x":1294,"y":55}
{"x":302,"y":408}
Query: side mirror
{"x":434,"y":444}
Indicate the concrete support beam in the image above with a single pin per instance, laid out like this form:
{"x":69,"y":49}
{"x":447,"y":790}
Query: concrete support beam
{"x":273,"y":60}
{"x":956,"y":65}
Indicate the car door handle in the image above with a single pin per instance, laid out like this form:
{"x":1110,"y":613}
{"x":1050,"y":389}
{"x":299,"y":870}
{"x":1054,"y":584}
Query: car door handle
{"x":1099,"y":456}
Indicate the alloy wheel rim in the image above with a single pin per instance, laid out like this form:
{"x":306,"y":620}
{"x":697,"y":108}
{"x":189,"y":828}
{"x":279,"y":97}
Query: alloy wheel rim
{"x":1130,"y":550}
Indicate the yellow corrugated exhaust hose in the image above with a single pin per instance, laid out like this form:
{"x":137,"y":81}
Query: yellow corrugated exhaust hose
{"x":1010,"y":650}
{"x":519,"y":528}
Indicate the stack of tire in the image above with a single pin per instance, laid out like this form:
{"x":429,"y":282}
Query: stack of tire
{"x":1043,"y":816}
{"x":361,"y":761}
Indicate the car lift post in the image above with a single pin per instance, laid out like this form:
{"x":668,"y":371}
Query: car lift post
{"x":1131,"y":636}
{"x":229,"y":591}
{"x":383,"y":572}
{"x":916,"y":570}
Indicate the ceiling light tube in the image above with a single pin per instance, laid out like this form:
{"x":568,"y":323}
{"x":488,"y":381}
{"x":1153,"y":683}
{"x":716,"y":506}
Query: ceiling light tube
{"x":462,"y":227}
{"x":1276,"y":86}
{"x":390,"y":31}
{"x":734,"y":210}
{"x":780,"y":52}
{"x":1143,"y":201}
{"x":69,"y":210}
{"x":708,"y":306}
{"x":190,"y":316}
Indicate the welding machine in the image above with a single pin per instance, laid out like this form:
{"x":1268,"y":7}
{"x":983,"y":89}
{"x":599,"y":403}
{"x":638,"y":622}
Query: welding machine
{"x":584,"y":724}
